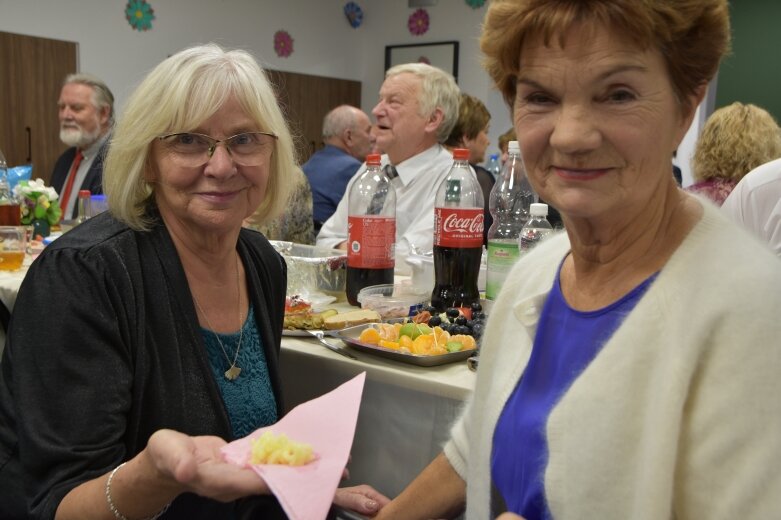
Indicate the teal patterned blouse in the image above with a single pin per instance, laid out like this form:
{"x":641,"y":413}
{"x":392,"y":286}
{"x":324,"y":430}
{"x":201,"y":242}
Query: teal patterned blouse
{"x":249,"y":399}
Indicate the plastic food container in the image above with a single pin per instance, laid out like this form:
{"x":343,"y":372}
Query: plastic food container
{"x":393,"y":301}
{"x":312,"y":269}
{"x":423,"y":271}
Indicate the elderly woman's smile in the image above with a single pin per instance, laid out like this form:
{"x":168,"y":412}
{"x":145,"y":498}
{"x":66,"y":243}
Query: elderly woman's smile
{"x":597,"y":121}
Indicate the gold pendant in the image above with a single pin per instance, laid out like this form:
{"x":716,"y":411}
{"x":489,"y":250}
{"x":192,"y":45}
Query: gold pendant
{"x":232,"y":373}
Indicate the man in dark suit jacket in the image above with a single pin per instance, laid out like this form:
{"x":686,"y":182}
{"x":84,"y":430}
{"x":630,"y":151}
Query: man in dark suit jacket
{"x":86,"y":113}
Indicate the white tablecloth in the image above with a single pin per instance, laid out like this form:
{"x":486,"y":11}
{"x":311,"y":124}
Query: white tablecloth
{"x":405,"y":414}
{"x":9,"y":288}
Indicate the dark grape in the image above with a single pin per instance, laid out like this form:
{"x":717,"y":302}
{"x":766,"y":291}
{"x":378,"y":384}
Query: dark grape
{"x":469,"y":324}
{"x":461,"y":320}
{"x":459,"y":329}
{"x":434,"y":321}
{"x":432,"y":310}
{"x":452,"y":313}
{"x":476,"y":307}
{"x":477,"y":330}
{"x":478,"y":316}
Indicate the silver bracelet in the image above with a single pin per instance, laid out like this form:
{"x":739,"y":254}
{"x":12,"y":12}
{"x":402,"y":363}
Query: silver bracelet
{"x":113,"y":508}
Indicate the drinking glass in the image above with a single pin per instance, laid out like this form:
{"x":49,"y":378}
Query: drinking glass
{"x":12,"y":247}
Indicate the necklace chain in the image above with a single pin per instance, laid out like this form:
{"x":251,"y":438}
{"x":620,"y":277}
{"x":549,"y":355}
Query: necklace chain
{"x":233,"y":371}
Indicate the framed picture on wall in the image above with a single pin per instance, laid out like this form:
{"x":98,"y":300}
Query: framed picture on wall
{"x":439,"y":54}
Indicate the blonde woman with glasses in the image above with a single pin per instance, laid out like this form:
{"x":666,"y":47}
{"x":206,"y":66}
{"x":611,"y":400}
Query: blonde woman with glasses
{"x":166,"y":334}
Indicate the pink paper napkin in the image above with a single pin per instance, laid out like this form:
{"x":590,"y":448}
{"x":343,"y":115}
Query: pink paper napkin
{"x":328,"y":424}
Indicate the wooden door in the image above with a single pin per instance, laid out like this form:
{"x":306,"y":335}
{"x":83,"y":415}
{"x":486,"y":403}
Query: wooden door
{"x":32,"y":73}
{"x":306,"y":100}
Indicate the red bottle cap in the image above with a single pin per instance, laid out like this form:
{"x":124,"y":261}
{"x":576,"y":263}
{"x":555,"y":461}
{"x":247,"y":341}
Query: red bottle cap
{"x":84,"y":194}
{"x":461,"y":154}
{"x":373,"y":159}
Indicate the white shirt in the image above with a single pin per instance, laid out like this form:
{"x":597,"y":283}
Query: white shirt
{"x":416,"y":189}
{"x":755,"y":203}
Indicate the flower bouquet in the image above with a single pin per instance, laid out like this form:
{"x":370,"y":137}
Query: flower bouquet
{"x":40,"y":205}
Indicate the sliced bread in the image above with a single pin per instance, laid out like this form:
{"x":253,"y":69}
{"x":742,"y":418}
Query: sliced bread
{"x":350,"y":318}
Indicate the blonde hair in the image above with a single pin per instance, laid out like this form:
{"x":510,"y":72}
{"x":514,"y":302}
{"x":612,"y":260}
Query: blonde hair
{"x":735,"y":140}
{"x":691,"y":35}
{"x":438,"y":89}
{"x":177,"y":96}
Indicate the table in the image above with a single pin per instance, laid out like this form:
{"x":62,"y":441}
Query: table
{"x":9,"y":288}
{"x":406,"y":411}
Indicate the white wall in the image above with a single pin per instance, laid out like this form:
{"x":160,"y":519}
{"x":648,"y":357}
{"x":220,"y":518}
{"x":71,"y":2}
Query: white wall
{"x":324,"y":42}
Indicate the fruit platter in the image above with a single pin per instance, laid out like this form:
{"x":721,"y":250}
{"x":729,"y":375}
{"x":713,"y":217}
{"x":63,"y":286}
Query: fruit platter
{"x":428,"y":339}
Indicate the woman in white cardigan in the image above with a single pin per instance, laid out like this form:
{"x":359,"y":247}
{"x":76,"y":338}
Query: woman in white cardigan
{"x":630,"y":366}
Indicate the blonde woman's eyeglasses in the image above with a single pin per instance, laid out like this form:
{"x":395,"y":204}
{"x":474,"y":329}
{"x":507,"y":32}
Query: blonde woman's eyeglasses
{"x":247,"y":148}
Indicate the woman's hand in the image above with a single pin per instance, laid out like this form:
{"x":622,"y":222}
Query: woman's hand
{"x":362,"y":499}
{"x":196,"y":464}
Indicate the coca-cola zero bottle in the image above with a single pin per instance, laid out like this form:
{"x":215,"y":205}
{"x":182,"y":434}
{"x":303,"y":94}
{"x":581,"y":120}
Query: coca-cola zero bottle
{"x":458,"y":237}
{"x":371,"y":230}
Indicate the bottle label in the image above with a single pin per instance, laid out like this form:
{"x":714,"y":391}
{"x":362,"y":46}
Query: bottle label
{"x":372,"y":242}
{"x":501,"y":258}
{"x":458,"y":227}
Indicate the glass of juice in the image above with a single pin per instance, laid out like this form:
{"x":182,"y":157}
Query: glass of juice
{"x":12,"y":247}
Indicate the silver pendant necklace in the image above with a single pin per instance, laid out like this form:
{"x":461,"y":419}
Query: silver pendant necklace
{"x":233,"y":371}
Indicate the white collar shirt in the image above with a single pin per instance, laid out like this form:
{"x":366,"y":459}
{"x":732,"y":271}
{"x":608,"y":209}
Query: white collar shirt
{"x":416,"y":189}
{"x":755,"y":204}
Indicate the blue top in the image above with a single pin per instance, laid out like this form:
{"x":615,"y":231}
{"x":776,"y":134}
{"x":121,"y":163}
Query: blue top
{"x":249,"y":399}
{"x":567,"y":341}
{"x":328,"y":171}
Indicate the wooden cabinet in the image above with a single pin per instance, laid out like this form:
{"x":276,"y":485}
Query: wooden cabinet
{"x":31,"y":74}
{"x":306,"y":100}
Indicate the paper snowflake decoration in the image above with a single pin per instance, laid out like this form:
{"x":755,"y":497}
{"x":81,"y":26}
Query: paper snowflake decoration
{"x":418,"y":22}
{"x":283,"y":44}
{"x":475,"y":4}
{"x":139,"y":15}
{"x":354,"y":14}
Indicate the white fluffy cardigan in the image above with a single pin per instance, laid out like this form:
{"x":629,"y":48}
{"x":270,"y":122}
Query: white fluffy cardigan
{"x":678,"y":416}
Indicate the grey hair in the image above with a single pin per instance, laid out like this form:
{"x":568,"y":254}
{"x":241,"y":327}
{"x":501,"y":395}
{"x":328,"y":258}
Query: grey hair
{"x":438,"y":90}
{"x":338,"y":120}
{"x":101,"y":94}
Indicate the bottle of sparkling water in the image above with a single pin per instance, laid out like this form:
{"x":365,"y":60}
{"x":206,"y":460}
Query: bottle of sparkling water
{"x":509,"y":203}
{"x":536,"y":229}
{"x":494,"y":166}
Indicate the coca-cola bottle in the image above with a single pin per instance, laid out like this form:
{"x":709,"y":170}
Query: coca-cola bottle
{"x":458,"y":236}
{"x":371,"y":230}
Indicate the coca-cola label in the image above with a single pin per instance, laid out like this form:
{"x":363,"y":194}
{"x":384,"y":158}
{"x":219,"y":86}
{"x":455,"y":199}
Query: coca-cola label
{"x":458,"y":227}
{"x":371,"y":242}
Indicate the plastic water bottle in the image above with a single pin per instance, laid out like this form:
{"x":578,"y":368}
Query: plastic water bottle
{"x":536,"y":229}
{"x":10,"y":211}
{"x":509,"y":203}
{"x":494,"y":166}
{"x":371,"y":230}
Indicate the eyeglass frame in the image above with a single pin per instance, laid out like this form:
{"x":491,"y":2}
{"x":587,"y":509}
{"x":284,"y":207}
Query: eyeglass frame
{"x":216,"y":142}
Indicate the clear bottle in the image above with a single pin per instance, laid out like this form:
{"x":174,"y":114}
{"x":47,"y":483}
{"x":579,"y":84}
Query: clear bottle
{"x":10,"y":210}
{"x":83,"y":210}
{"x":458,"y":236}
{"x":536,"y":229}
{"x":494,"y":166}
{"x":371,"y":230}
{"x":509,"y":203}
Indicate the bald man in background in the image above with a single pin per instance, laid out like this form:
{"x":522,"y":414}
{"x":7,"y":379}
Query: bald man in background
{"x":347,"y":138}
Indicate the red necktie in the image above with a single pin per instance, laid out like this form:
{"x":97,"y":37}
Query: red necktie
{"x":66,"y":193}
